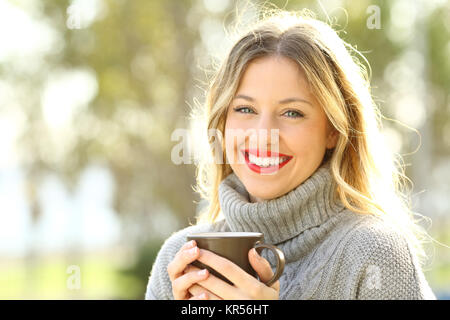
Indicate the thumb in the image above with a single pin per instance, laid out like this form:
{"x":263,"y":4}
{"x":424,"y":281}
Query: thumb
{"x":262,"y":267}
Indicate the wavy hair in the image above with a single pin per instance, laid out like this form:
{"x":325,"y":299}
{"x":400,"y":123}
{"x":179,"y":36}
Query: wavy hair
{"x":370,"y":179}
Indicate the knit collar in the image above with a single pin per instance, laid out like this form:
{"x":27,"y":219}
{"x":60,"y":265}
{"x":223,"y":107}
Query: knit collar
{"x":308,"y":205}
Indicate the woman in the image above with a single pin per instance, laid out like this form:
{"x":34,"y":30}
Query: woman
{"x":330,"y":200}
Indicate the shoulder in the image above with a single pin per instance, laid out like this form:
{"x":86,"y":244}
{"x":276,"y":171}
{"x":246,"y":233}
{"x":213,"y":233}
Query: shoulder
{"x":374,"y":235}
{"x":159,"y":285}
{"x":382,"y":262}
{"x":375,"y":242}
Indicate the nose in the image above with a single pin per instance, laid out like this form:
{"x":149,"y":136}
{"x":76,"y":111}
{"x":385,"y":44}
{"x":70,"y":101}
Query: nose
{"x":265,"y":135}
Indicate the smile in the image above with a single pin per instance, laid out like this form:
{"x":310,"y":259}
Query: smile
{"x":268,"y":163}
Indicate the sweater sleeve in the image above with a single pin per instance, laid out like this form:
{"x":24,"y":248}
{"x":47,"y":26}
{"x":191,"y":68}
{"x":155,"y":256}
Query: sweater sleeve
{"x":385,"y":267}
{"x":159,"y":286}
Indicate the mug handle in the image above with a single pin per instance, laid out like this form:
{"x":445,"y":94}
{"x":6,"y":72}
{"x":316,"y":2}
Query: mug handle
{"x":280,"y":261}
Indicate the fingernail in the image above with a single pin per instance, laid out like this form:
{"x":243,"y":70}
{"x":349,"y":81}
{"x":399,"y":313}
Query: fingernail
{"x":202,"y":296}
{"x":202,"y":272}
{"x":256,"y":253}
{"x":192,"y":251}
{"x":191,"y":243}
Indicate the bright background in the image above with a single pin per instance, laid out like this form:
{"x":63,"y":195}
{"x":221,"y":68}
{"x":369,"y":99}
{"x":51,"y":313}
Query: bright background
{"x":91,"y":91}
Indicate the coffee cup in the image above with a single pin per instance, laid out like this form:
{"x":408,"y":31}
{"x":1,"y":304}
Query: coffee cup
{"x":235,"y":246}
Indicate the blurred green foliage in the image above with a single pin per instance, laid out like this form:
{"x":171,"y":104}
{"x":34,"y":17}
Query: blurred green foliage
{"x":139,"y":271}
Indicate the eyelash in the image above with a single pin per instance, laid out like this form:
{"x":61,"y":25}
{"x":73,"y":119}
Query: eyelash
{"x":300,"y":115}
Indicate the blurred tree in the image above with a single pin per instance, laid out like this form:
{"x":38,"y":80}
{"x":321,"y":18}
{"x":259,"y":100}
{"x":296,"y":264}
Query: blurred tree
{"x":140,"y":55}
{"x":139,"y":52}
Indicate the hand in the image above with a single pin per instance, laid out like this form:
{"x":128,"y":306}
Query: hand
{"x":245,"y":286}
{"x":182,"y":281}
{"x":197,"y":290}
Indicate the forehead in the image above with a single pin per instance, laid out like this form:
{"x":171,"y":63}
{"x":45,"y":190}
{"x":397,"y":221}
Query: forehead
{"x":273,"y":75}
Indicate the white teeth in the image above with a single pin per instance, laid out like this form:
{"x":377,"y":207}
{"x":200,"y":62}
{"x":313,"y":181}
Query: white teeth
{"x":266,"y":162}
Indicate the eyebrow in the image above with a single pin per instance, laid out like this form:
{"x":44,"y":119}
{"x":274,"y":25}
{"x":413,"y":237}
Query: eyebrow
{"x":284,"y":101}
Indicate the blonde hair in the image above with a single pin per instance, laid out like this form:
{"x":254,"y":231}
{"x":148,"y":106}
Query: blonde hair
{"x":370,"y":180}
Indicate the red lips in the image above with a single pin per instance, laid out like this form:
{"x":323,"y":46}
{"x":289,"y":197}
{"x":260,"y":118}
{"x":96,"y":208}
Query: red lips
{"x":268,"y":153}
{"x":264,"y":170}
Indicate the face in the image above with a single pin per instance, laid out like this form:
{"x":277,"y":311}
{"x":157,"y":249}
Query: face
{"x":263,"y":107}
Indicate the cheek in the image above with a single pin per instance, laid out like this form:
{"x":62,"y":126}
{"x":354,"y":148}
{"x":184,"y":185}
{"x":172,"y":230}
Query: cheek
{"x":234,"y":122}
{"x":237,"y":127}
{"x":234,"y":138}
{"x":306,"y":139}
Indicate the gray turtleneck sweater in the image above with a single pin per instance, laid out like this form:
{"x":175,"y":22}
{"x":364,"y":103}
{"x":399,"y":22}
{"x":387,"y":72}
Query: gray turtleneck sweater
{"x":331,"y":252}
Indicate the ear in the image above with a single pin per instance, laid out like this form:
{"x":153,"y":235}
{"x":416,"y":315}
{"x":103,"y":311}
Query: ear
{"x":332,"y":138}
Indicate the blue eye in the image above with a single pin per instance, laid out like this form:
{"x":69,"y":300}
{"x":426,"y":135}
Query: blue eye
{"x":296,"y":114}
{"x":293,"y":113}
{"x":238,"y":109}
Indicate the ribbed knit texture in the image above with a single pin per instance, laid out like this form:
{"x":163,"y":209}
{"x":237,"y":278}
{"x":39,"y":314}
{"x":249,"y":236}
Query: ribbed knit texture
{"x":331,"y":252}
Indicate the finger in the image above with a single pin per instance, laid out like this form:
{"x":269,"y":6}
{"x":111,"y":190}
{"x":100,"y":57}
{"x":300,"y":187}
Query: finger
{"x":196,"y":290}
{"x":182,"y":258}
{"x":189,"y":244}
{"x":215,"y":286}
{"x":225,"y":267}
{"x":181,"y":284}
{"x":222,"y":289}
{"x":190,"y":268}
{"x":201,"y":296}
{"x":262,"y":267}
